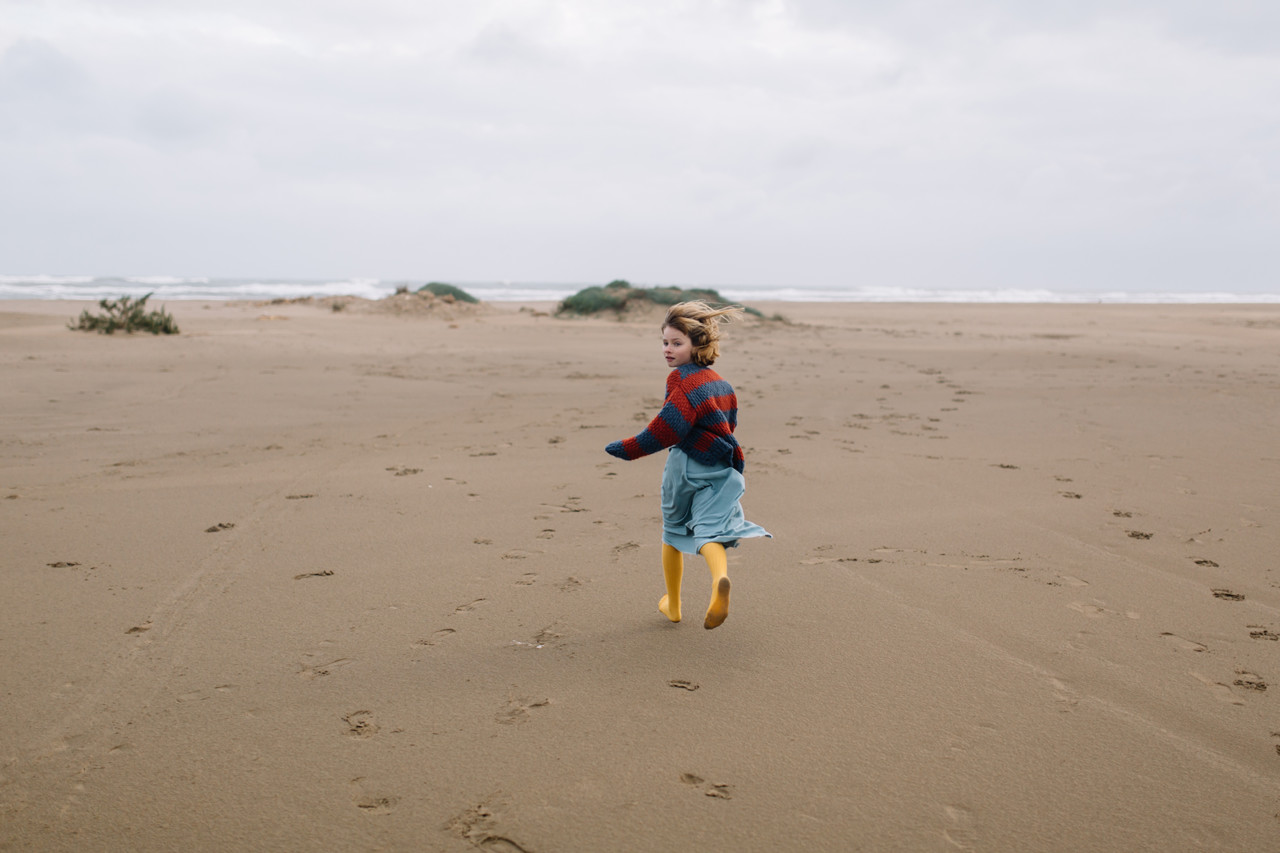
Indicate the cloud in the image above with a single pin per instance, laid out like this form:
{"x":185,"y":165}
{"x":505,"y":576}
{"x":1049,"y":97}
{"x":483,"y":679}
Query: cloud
{"x":40,"y":87}
{"x":919,"y":143}
{"x":35,"y":68}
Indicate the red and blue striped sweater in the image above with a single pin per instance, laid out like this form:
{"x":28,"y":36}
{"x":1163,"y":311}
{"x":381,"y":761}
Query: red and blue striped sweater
{"x":699,"y":416}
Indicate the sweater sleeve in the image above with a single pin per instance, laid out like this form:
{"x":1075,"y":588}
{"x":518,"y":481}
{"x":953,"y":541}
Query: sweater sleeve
{"x":666,"y":430}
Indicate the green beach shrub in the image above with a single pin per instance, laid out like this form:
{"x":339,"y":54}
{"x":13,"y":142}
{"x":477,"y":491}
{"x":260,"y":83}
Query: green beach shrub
{"x":439,"y":288}
{"x":593,"y":300}
{"x":619,"y":295}
{"x":127,"y":314}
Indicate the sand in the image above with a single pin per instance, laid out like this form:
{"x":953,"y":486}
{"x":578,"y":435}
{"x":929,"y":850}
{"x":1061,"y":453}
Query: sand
{"x":304,"y":579}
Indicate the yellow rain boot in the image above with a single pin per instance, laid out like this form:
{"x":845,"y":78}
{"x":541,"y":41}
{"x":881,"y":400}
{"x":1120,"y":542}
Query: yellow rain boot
{"x":718,"y":562}
{"x":672,"y":571}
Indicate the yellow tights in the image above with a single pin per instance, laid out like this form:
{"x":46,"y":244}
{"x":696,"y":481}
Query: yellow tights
{"x":673,"y":571}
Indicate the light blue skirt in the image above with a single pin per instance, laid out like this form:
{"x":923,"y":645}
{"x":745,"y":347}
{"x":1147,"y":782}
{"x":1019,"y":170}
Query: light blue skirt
{"x":702,"y":503}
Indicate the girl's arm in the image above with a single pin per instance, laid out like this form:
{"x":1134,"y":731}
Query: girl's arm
{"x":666,"y":430}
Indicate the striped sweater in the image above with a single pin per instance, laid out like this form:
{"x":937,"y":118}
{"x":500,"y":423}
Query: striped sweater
{"x":699,"y":417}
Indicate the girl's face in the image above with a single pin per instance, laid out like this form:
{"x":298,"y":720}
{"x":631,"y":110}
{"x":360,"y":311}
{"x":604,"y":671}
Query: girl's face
{"x":677,"y":349}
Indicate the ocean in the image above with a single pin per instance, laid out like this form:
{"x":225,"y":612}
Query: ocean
{"x":165,"y":288}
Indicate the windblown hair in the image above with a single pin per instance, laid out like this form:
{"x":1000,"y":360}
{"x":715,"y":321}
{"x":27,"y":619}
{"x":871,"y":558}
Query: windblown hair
{"x":701,"y":323}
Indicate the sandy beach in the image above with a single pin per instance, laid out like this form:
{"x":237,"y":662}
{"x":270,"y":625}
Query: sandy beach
{"x":304,"y":579}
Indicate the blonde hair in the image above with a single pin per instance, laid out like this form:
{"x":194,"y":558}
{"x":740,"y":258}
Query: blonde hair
{"x":701,"y":323}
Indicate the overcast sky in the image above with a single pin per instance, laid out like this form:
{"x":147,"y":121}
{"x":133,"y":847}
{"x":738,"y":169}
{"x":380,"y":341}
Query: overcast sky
{"x":1120,"y":144}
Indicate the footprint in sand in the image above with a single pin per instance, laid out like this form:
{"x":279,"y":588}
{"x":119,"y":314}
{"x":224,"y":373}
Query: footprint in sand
{"x":547,"y":533}
{"x":516,"y":710}
{"x":318,"y":664}
{"x":480,"y":826}
{"x":220,"y":526}
{"x":372,"y":800}
{"x":467,"y":608}
{"x":571,"y":504}
{"x":548,"y":636}
{"x":821,"y":554}
{"x":1260,"y":632}
{"x":320,"y":670}
{"x":1183,"y":643}
{"x":323,"y":573}
{"x":1250,"y":680}
{"x":960,"y":832}
{"x":624,"y":548}
{"x":435,"y":638}
{"x":1096,"y":611}
{"x":1220,"y":691}
{"x":569,"y":584}
{"x":1064,"y":695}
{"x":527,"y":579}
{"x":683,"y":684}
{"x":1072,"y":580}
{"x":1093,"y":611}
{"x":202,"y":695}
{"x":1227,"y":595}
{"x":360,"y":725}
{"x":716,"y":790}
{"x":377,"y":805}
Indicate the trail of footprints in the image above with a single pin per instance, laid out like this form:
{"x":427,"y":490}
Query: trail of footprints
{"x":1095,"y":609}
{"x":479,"y":824}
{"x":908,"y":424}
{"x":1246,"y":682}
{"x":476,"y":824}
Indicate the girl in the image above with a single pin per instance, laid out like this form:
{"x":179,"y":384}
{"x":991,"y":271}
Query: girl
{"x":702,"y":483}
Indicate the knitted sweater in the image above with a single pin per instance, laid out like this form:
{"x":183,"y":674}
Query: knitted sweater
{"x":699,"y":417}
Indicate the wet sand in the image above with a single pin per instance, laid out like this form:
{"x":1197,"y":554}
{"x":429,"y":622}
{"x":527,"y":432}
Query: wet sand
{"x":302,"y":579}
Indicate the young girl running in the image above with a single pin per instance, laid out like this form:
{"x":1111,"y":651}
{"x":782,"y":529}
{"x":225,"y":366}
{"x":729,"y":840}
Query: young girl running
{"x":702,"y":483}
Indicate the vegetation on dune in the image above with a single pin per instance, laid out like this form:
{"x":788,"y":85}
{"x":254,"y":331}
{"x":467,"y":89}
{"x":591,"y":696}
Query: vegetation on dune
{"x":621,"y":295}
{"x":126,"y":314}
{"x":439,"y":288}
